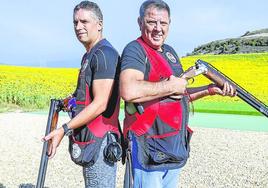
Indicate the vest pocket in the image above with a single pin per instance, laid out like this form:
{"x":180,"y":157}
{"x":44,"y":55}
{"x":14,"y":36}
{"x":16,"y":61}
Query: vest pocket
{"x":167,"y":148}
{"x":84,"y":153}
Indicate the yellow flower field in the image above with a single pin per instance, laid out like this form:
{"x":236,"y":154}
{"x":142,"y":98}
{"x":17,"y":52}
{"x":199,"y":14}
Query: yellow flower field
{"x":32,"y":87}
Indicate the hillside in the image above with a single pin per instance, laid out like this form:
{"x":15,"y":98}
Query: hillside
{"x":250,"y":42}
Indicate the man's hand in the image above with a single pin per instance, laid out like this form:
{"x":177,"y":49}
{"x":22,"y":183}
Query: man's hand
{"x":178,"y":86}
{"x":54,"y":138}
{"x":227,"y":90}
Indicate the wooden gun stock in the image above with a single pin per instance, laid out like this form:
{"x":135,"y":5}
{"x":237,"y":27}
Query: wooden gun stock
{"x":219,"y":78}
{"x":55,"y":107}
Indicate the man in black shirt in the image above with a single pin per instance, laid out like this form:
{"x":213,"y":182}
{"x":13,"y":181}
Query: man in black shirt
{"x":95,"y":122}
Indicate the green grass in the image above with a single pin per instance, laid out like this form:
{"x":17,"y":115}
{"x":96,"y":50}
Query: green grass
{"x":5,"y":107}
{"x":224,"y":108}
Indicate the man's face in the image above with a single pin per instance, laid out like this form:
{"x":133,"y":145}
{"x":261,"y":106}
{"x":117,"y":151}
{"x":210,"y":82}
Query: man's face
{"x":87,"y":27}
{"x":154,"y":27}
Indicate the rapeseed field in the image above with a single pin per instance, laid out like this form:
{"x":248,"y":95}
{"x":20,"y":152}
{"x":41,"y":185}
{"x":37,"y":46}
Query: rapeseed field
{"x":32,"y":87}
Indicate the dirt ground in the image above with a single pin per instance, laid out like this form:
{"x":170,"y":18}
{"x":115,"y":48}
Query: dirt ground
{"x":218,"y":158}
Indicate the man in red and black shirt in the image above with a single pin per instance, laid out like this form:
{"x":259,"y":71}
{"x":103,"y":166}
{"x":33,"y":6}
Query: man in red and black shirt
{"x":158,"y":138}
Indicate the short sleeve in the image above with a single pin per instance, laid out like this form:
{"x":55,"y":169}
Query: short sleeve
{"x":133,"y":57}
{"x":104,"y":63}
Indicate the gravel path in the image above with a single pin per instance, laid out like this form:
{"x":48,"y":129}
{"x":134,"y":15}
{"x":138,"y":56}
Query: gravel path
{"x":219,"y":158}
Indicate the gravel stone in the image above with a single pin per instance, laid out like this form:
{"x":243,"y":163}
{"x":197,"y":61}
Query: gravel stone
{"x":219,"y":158}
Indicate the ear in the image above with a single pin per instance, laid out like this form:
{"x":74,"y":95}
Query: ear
{"x":139,"y":22}
{"x":100,"y":25}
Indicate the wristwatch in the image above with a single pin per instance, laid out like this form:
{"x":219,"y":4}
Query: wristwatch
{"x":67,"y":130}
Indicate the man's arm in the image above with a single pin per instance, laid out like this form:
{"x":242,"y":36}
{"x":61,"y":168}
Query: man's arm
{"x":212,"y":89}
{"x":102,"y":90}
{"x":133,"y":88}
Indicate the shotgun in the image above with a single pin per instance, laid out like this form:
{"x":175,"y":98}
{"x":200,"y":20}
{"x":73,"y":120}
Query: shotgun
{"x":213,"y":74}
{"x":56,"y":106}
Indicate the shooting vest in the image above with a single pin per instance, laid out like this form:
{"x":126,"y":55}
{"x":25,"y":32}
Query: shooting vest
{"x":85,"y":143}
{"x":161,"y":131}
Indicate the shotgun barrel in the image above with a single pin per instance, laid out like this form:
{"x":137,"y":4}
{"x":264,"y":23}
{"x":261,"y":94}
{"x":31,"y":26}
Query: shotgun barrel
{"x":219,"y":78}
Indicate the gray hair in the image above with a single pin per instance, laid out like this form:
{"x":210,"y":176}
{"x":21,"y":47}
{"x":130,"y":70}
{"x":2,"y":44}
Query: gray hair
{"x":91,"y":6}
{"x":159,"y":4}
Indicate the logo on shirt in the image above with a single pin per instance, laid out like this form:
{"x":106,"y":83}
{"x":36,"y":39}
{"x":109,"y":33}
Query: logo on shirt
{"x":84,"y":66}
{"x":171,"y":57}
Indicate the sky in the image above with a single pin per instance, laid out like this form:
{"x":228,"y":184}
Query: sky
{"x":40,"y":33}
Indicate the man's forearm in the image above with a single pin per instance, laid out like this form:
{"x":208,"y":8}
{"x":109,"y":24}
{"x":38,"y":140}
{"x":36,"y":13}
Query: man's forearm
{"x":142,"y":91}
{"x":198,"y":92}
{"x":133,"y":87}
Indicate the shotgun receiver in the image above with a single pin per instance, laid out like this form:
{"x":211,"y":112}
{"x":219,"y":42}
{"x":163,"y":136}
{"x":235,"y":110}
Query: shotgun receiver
{"x":56,"y":106}
{"x":213,"y":74}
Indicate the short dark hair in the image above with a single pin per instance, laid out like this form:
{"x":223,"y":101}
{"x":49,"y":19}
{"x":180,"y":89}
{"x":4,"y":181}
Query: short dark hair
{"x":159,"y":4}
{"x":88,"y":5}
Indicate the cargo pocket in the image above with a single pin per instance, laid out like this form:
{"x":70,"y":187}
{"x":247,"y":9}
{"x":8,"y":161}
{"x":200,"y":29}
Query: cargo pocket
{"x":166,"y":148}
{"x":84,"y":153}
